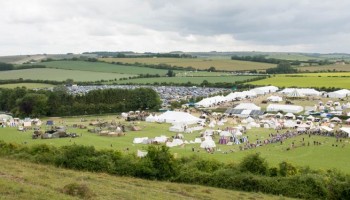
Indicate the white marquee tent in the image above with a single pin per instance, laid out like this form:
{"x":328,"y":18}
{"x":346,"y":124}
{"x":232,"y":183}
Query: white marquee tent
{"x":176,"y":117}
{"x":284,"y":108}
{"x":275,"y":98}
{"x":303,"y":91}
{"x":264,"y":90}
{"x":339,"y":93}
{"x":247,"y":106}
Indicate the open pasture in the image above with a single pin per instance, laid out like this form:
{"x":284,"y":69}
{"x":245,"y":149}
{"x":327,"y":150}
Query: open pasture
{"x":102,"y":67}
{"x":27,"y":85}
{"x":59,"y":75}
{"x":306,"y":80}
{"x":198,"y":63}
{"x":324,"y":156}
{"x":195,"y":80}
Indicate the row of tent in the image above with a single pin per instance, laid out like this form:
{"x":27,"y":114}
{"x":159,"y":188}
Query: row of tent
{"x":289,"y":92}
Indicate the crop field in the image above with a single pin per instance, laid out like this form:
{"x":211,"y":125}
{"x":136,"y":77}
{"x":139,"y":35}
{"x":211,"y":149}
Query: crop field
{"x":307,"y":80}
{"x":195,"y":80}
{"x":27,"y":85}
{"x":24,"y":180}
{"x":198,"y":63}
{"x":333,"y":67}
{"x":59,"y":75}
{"x":102,"y":67}
{"x":323,"y":156}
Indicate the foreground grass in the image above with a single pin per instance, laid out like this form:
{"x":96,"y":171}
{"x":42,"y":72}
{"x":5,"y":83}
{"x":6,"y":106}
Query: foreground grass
{"x":59,"y":75}
{"x":197,"y":63}
{"x":24,"y":180}
{"x":307,"y":80}
{"x":27,"y":85}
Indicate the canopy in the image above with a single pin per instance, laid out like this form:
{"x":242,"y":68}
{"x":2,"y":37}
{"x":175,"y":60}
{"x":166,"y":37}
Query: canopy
{"x":208,"y":143}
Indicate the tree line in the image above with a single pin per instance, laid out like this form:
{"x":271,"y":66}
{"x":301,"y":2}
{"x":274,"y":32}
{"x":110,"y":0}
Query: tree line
{"x":252,"y":174}
{"x":28,"y":103}
{"x":7,"y":67}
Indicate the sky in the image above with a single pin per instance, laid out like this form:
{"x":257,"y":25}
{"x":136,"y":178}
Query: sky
{"x":76,"y":26}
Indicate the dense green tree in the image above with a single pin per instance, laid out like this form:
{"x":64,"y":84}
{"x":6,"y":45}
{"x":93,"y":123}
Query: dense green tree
{"x":32,"y":105}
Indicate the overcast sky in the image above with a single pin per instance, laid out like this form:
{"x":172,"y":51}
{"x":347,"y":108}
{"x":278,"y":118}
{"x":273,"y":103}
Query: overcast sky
{"x":62,"y":26}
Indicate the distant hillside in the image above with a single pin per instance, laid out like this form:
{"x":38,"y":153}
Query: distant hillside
{"x":24,"y":180}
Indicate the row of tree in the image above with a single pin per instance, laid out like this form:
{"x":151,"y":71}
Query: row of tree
{"x":28,"y":103}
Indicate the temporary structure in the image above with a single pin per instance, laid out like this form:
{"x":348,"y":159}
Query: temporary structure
{"x":264,"y":90}
{"x":275,"y":99}
{"x":176,"y":117}
{"x":339,"y":93}
{"x":303,"y":91}
{"x":295,"y":94}
{"x":247,"y":106}
{"x":284,"y":108}
{"x":346,"y":130}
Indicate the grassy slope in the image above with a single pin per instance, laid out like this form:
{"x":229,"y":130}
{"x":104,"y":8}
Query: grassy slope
{"x":23,"y":180}
{"x":219,"y":64}
{"x":317,"y":157}
{"x":27,"y":85}
{"x":197,"y":80}
{"x":59,"y":75}
{"x":102,"y":67}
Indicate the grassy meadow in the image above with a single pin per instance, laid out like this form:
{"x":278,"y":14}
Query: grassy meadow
{"x":27,"y":85}
{"x":338,"y":80}
{"x":322,"y":157}
{"x":198,"y":63}
{"x":59,"y":75}
{"x":195,"y":80}
{"x":102,"y":67}
{"x":24,"y":180}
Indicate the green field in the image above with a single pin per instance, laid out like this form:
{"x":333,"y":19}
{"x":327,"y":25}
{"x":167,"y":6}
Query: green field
{"x":24,"y":180}
{"x":198,"y":63}
{"x":195,"y":80}
{"x":27,"y":85}
{"x":323,"y":157}
{"x":308,"y":80}
{"x":59,"y":75}
{"x":292,"y":56}
{"x":102,"y":67}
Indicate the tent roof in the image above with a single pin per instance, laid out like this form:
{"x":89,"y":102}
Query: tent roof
{"x":178,"y":117}
{"x":247,"y":106}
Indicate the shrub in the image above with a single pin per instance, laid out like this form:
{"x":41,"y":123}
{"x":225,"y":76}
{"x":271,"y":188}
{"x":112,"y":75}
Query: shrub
{"x":255,"y":164}
{"x":78,"y":190}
